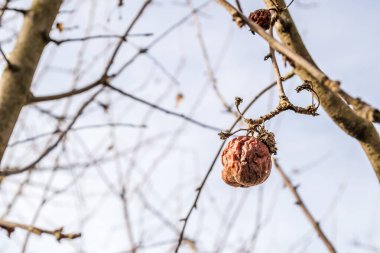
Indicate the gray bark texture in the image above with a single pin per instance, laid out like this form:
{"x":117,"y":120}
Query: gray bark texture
{"x":15,"y":81}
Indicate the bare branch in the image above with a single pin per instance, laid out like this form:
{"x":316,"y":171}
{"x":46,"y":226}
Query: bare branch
{"x":57,"y":233}
{"x":15,"y":85}
{"x":112,"y":124}
{"x":32,"y":165}
{"x":206,"y":58}
{"x":305,"y":210}
{"x":4,"y":9}
{"x":284,"y":105}
{"x":204,"y":180}
{"x":159,"y":38}
{"x":124,"y":201}
{"x":162,"y":109}
{"x":343,"y":115}
{"x":10,"y":65}
{"x":104,"y":36}
{"x":364,"y":110}
{"x":281,"y":92}
{"x":238,"y":4}
{"x":121,"y":41}
{"x":33,"y":99}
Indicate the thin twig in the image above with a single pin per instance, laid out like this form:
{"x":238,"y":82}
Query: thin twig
{"x":49,"y":113}
{"x":363,"y":110}
{"x":104,"y":36}
{"x":159,"y":38}
{"x":206,"y":58}
{"x":162,"y":109}
{"x":122,"y":40}
{"x":281,"y":92}
{"x":111,"y":125}
{"x":33,"y":99}
{"x":200,"y":188}
{"x":4,"y":9}
{"x":284,"y":105}
{"x":289,"y":4}
{"x":43,"y":201}
{"x":105,"y":75}
{"x":240,"y":18}
{"x":229,"y":223}
{"x":11,"y":204}
{"x":10,"y":65}
{"x":127,"y":219}
{"x":163,"y":69}
{"x":343,"y":116}
{"x":57,"y":233}
{"x":55,"y":144}
{"x":238,"y":4}
{"x":259,"y":224}
{"x":301,"y":204}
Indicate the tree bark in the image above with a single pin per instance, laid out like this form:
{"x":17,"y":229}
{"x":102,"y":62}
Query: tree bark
{"x":340,"y":112}
{"x":16,"y":79}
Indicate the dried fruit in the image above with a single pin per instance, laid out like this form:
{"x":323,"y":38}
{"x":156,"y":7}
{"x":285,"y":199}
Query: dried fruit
{"x":262,"y":17}
{"x":246,"y":162}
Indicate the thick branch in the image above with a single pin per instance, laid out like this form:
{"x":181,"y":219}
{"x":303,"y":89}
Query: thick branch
{"x":349,"y":121}
{"x":336,"y":108}
{"x":15,"y":83}
{"x":364,"y":110}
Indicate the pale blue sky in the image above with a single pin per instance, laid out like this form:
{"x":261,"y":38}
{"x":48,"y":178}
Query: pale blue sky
{"x":336,"y":180}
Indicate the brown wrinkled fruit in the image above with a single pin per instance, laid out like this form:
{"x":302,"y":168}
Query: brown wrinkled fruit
{"x":246,"y":162}
{"x":262,"y":17}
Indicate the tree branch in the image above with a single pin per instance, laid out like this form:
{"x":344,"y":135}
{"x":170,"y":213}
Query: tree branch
{"x":204,"y":180}
{"x":118,"y":46}
{"x":210,"y":72}
{"x":86,"y":127}
{"x":10,"y":65}
{"x":33,"y":99}
{"x":336,"y":108}
{"x":364,"y":110}
{"x":162,"y":109}
{"x":305,"y":210}
{"x":22,"y":11}
{"x":104,"y":36}
{"x":350,"y":122}
{"x":15,"y":85}
{"x":57,"y":233}
{"x":272,"y":53}
{"x":8,"y":172}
